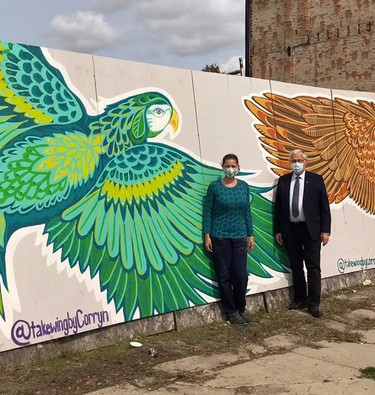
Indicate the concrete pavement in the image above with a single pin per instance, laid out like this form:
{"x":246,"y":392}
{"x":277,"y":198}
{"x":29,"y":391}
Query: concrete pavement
{"x":278,"y":366}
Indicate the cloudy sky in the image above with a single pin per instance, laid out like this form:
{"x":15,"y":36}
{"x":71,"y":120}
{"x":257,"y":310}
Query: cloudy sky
{"x":178,"y":33}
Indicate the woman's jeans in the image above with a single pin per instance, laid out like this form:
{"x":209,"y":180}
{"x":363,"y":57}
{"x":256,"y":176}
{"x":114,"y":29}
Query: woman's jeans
{"x":230,"y":261}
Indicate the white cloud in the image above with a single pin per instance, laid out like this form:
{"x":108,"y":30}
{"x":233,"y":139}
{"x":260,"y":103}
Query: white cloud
{"x":183,"y":33}
{"x":195,"y":26}
{"x":83,"y":31}
{"x":232,"y":64}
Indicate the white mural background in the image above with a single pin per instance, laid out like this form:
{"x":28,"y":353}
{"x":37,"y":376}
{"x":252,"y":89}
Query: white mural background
{"x":214,"y":122}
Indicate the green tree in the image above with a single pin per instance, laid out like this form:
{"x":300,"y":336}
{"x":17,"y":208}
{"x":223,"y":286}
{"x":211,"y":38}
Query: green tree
{"x":212,"y":68}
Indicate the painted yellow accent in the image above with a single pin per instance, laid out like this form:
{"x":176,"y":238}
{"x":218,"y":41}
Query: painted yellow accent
{"x":2,"y":229}
{"x":73,"y":156}
{"x":19,"y":103}
{"x":174,"y":121}
{"x":126,"y":193}
{"x":20,"y":106}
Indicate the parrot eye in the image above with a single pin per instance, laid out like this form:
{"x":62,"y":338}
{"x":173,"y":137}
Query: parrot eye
{"x":157,"y":111}
{"x":158,"y":116}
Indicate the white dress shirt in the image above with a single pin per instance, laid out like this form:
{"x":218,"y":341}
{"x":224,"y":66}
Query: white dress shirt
{"x":301,"y":216}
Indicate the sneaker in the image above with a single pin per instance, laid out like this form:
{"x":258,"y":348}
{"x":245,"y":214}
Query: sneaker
{"x":236,"y":319}
{"x":245,"y":315}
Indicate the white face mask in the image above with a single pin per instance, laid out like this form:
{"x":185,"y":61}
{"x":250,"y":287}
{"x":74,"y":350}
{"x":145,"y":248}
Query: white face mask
{"x":297,"y":167}
{"x":230,"y":172}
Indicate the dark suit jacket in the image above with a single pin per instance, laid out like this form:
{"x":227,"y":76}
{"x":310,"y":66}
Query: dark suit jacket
{"x":315,"y":206}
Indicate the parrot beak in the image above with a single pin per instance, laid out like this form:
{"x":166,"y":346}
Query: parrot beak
{"x":172,"y":128}
{"x":174,"y":122}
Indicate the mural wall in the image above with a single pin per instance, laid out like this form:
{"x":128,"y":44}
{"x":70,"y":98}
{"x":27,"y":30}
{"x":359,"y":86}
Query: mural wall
{"x":104,"y":165}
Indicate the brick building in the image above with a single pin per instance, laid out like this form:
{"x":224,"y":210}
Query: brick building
{"x":325,"y":43}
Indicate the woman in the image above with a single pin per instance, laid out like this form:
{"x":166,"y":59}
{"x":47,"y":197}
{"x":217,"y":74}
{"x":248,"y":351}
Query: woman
{"x":228,"y":234}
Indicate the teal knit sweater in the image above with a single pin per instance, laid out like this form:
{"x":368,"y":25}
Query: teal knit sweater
{"x":227,"y":212}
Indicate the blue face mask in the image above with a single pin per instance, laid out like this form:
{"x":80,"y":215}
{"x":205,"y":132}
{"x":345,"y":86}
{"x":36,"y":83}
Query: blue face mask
{"x":230,"y":172}
{"x":297,"y":167}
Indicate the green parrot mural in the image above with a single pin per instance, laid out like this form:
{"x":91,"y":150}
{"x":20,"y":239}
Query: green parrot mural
{"x":114,"y":202}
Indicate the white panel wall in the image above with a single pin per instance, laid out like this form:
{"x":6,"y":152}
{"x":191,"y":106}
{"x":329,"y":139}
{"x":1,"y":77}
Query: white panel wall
{"x":214,"y":122}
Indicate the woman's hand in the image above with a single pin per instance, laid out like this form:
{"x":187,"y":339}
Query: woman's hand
{"x":207,"y":243}
{"x":250,"y":243}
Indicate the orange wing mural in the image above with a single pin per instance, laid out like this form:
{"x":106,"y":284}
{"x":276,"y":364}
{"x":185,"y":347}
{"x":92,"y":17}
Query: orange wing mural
{"x":337,"y":135}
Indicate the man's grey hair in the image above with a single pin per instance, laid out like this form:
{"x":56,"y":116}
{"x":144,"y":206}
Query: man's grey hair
{"x":295,"y":152}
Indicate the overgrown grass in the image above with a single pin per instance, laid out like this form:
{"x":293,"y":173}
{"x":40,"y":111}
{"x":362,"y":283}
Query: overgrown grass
{"x":368,"y":372}
{"x":81,"y":372}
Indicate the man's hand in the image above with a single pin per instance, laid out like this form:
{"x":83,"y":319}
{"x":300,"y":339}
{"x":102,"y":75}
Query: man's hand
{"x":207,"y":243}
{"x":324,"y":238}
{"x":279,"y":238}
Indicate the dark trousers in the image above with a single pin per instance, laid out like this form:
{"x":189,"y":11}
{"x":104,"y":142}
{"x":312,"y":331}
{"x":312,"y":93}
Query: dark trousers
{"x":230,"y":261}
{"x":302,"y":248}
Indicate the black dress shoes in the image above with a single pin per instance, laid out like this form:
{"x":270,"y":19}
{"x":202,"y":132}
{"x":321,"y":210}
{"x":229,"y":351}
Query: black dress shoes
{"x":315,"y":312}
{"x":297,"y":306}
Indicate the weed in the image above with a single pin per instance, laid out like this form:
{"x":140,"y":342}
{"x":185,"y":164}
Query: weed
{"x":368,"y":372}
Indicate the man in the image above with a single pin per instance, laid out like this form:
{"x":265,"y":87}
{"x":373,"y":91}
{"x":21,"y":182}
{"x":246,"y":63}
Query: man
{"x":302,"y":222}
